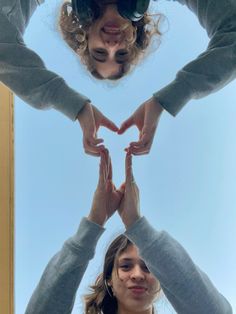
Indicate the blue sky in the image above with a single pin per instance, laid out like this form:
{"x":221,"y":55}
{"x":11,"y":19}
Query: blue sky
{"x":187,"y":182}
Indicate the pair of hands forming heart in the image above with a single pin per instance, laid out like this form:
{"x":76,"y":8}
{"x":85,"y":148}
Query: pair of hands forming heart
{"x":146,"y":118}
{"x":108,"y":199}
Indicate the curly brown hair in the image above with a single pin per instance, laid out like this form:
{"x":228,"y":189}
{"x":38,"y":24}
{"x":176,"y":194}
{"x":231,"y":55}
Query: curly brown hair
{"x":101,"y":299}
{"x":75,"y":34}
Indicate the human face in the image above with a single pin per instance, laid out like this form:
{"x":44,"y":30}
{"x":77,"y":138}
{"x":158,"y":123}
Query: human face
{"x":107,"y":41}
{"x":134,"y":287}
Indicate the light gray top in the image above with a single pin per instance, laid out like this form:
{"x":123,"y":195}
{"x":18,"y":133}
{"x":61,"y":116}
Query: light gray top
{"x":213,"y":68}
{"x":24,"y":72}
{"x":188,"y":289}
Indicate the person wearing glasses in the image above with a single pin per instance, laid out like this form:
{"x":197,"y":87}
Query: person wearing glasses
{"x":110,"y":38}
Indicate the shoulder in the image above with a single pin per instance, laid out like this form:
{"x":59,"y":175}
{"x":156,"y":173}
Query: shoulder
{"x":19,"y":12}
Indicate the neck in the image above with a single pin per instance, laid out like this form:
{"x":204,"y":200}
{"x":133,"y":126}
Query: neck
{"x":125,"y":311}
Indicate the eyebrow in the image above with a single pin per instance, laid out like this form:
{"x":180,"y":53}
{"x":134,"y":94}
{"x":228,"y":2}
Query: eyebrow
{"x":126,"y":259}
{"x":129,"y":259}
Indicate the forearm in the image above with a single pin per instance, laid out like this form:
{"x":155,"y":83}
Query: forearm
{"x":215,"y":67}
{"x":23,"y":71}
{"x":187,"y":287}
{"x":57,"y":288}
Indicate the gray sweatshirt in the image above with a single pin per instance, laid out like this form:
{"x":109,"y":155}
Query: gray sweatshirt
{"x":24,"y":72}
{"x":188,"y":289}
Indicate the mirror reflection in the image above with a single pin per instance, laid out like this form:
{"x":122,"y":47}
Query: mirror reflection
{"x":185,"y":182}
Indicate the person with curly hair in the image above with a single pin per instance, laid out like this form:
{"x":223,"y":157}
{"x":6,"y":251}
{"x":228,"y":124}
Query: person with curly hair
{"x":138,"y":264}
{"x":110,"y":45}
{"x":23,"y":71}
{"x":106,"y":42}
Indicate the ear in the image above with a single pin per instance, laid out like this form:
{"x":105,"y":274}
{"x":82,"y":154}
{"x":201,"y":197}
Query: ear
{"x":109,"y":283}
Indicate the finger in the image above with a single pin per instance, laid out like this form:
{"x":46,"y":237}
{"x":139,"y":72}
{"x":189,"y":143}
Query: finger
{"x":144,"y":138}
{"x":102,"y":167}
{"x":120,"y":196}
{"x":141,"y":147}
{"x":109,"y":169}
{"x":113,"y":186}
{"x":91,"y":153}
{"x":109,"y":185}
{"x":93,"y":149}
{"x":121,"y":191}
{"x":121,"y":188}
{"x":94,"y":141}
{"x":139,"y":151}
{"x":106,"y":161}
{"x":109,"y":124}
{"x":140,"y":143}
{"x":125,"y":125}
{"x":127,"y":150}
{"x":128,"y":168}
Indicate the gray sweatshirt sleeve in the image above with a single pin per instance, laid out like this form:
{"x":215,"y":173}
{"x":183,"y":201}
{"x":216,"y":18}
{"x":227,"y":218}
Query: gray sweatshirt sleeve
{"x":212,"y":69}
{"x":23,"y":71}
{"x":188,"y":289}
{"x":57,"y":288}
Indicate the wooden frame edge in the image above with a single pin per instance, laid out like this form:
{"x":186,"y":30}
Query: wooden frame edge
{"x":6,"y":201}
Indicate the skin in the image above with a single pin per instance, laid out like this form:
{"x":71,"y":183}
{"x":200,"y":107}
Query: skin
{"x":91,"y":119}
{"x":106,"y":198}
{"x":134,"y":287}
{"x":108,"y":45}
{"x":130,"y":270}
{"x":108,"y":48}
{"x":146,"y":119}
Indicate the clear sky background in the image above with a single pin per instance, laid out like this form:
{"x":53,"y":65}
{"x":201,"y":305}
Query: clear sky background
{"x":187,"y":182}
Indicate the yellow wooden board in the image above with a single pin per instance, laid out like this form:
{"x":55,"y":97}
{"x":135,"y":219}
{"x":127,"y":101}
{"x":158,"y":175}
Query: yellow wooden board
{"x":6,"y":201}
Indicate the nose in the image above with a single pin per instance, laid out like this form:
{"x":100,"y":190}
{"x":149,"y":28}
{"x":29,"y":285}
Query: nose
{"x":112,"y":39}
{"x":137,"y":273}
{"x":111,"y":42}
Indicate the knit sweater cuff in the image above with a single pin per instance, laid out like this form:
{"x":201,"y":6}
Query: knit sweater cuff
{"x":87,"y":235}
{"x":68,"y":101}
{"x":174,"y":96}
{"x":147,"y":232}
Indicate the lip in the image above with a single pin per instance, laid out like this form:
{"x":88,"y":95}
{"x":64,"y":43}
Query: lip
{"x":113,"y":24}
{"x":138,"y":289}
{"x":111,"y":28}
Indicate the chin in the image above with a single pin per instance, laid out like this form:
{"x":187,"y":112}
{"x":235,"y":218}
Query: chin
{"x":136,"y":309}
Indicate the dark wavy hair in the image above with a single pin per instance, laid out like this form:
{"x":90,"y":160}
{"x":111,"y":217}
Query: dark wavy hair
{"x":75,"y":33}
{"x":101,"y":299}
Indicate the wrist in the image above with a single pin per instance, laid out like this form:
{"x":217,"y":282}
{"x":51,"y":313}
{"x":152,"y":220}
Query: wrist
{"x":96,"y":219}
{"x":129,"y":222}
{"x":82,"y":111}
{"x":157,"y":104}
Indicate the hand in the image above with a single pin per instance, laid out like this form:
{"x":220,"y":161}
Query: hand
{"x":129,"y":207}
{"x":90,"y":119}
{"x":106,"y":198}
{"x":146,"y":118}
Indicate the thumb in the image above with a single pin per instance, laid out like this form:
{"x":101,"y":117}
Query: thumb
{"x":121,"y":193}
{"x":122,"y":188}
